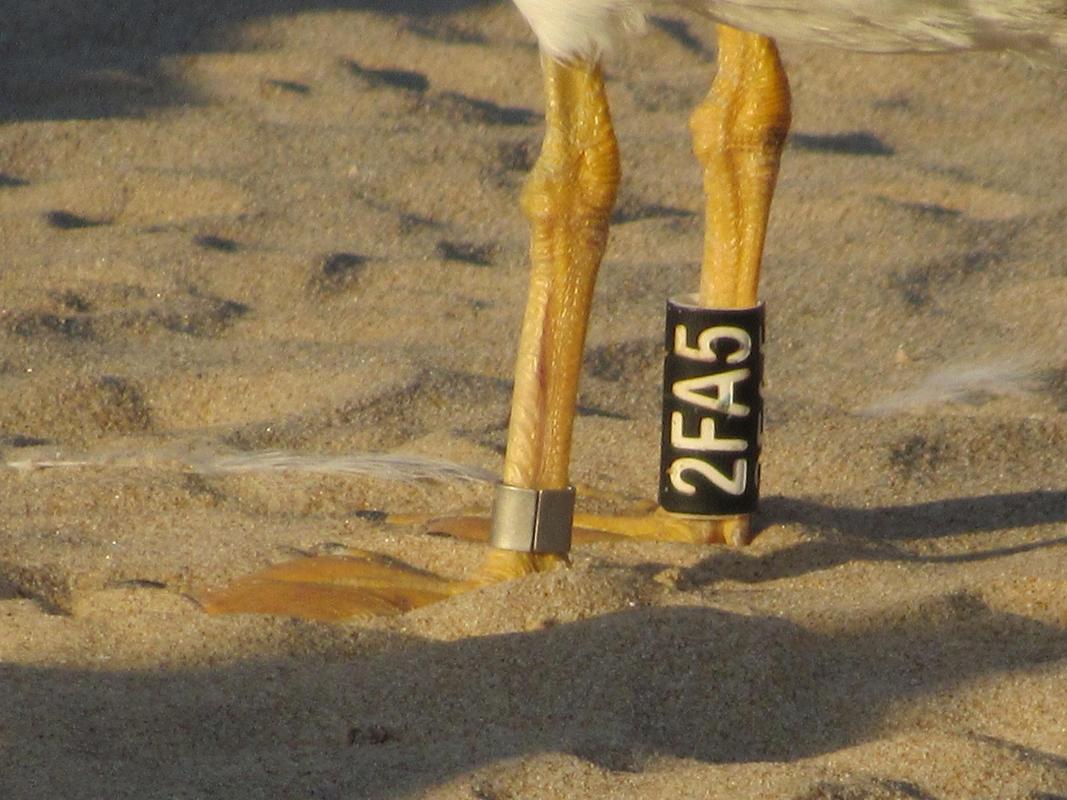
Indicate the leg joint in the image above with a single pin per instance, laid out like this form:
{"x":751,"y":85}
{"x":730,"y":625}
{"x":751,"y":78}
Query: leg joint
{"x":579,"y":179}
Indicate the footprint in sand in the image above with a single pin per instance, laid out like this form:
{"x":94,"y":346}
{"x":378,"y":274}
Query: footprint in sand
{"x":952,"y":196}
{"x":140,"y":199}
{"x":153,"y":199}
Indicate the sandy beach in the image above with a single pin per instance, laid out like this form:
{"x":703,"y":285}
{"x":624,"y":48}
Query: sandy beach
{"x":234,"y":228}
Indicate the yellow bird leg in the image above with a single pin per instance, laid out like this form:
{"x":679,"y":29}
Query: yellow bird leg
{"x":738,"y":135}
{"x":567,"y":200}
{"x":739,"y":132}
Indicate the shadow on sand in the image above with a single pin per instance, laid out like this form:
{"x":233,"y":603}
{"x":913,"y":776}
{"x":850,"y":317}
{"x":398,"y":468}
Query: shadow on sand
{"x":375,"y":715}
{"x":344,"y":712}
{"x":882,"y":534}
{"x":90,"y":59}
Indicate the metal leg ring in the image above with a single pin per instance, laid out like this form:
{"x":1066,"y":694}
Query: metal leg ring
{"x":532,"y":520}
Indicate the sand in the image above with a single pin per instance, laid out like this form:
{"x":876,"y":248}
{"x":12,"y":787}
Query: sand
{"x":230,"y":228}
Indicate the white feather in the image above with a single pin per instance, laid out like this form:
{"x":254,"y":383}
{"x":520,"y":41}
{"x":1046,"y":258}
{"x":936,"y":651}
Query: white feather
{"x":586,"y":28}
{"x":964,"y":384}
{"x":383,"y":466}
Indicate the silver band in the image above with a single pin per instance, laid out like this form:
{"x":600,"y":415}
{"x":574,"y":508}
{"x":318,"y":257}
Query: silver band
{"x":532,"y":520}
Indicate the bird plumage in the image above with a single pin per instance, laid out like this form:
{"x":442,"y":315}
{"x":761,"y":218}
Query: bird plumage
{"x":583,"y":28}
{"x":571,"y":28}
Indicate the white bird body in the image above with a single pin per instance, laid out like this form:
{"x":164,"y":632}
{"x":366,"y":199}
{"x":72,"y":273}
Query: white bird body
{"x":569,"y":28}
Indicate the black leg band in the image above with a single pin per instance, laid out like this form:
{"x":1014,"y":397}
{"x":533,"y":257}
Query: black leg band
{"x":712,"y":409}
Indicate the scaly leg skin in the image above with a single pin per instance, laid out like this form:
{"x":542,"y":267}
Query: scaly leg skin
{"x":738,"y":135}
{"x":568,"y":200}
{"x":739,"y":132}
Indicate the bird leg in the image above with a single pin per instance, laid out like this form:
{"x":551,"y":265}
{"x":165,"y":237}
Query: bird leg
{"x":738,"y":135}
{"x":568,"y":200}
{"x":738,"y":132}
